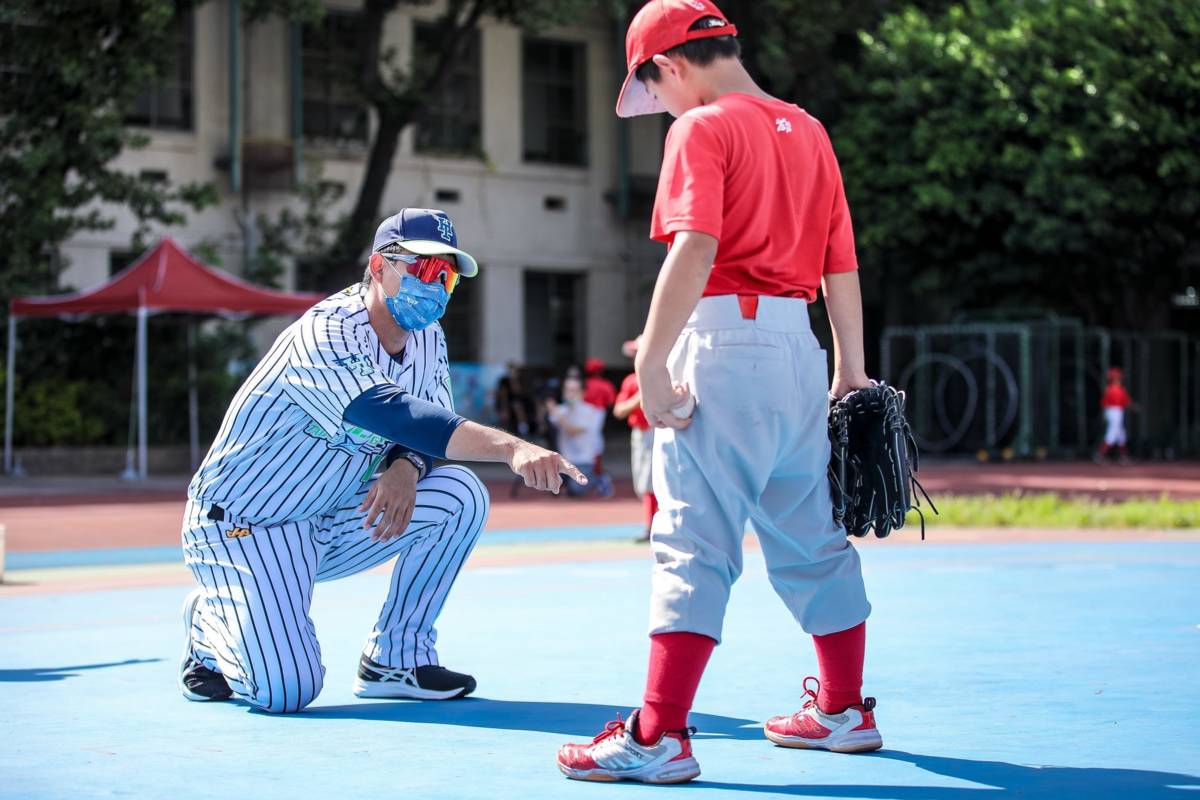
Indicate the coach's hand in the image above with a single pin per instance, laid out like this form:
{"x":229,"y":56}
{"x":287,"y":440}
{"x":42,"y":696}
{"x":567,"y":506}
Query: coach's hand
{"x":390,"y":501}
{"x":542,"y":469}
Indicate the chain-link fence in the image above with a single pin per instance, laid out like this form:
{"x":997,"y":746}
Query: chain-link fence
{"x":1033,"y":387}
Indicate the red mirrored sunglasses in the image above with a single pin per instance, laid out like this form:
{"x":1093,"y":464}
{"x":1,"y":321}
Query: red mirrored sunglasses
{"x":428,"y":269}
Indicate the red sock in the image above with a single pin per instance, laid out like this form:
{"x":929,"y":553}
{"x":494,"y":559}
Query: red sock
{"x":677,"y":661}
{"x":649,"y":506}
{"x":840,"y":661}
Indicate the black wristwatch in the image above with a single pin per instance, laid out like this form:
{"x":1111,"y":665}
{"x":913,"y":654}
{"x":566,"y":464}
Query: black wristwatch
{"x":415,"y":460}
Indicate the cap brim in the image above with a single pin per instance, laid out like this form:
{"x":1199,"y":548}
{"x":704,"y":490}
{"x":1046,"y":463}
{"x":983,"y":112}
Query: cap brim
{"x":468,"y":267}
{"x":635,"y":98}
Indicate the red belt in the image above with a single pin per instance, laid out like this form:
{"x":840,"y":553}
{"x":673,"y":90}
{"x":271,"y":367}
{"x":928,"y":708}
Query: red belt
{"x":749,"y":305}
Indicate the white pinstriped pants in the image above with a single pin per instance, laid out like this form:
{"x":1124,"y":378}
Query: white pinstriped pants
{"x":252,"y":624}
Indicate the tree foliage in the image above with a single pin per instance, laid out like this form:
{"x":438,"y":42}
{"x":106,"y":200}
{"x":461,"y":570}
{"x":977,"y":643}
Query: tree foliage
{"x":70,"y":73}
{"x":396,"y":90}
{"x":1026,"y":153}
{"x":76,"y":385}
{"x":795,"y":48}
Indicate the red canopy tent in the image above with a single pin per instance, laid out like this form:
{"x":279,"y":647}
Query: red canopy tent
{"x":165,"y":278}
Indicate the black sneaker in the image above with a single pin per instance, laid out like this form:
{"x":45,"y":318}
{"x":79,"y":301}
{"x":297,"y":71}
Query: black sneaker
{"x":196,"y":681}
{"x":410,"y":683}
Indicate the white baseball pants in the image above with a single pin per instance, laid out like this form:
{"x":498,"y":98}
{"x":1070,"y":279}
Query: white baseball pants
{"x":757,"y":450}
{"x":1114,"y":429}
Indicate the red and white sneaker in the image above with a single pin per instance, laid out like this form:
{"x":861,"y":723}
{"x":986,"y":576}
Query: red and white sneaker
{"x":852,"y":731}
{"x":615,"y":755}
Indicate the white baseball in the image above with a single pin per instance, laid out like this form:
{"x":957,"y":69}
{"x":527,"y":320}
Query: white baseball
{"x":687,"y":409}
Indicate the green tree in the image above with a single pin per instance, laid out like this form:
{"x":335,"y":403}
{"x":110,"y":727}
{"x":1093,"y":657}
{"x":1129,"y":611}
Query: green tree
{"x":795,"y":48}
{"x":396,"y":92}
{"x":1023,"y":153}
{"x":69,"y":74}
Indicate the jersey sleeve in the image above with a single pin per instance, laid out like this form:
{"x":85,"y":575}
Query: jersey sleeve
{"x":840,"y":255}
{"x":691,"y":184}
{"x":327,"y":369}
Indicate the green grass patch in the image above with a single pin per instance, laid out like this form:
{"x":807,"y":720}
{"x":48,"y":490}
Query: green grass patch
{"x":1048,"y":510}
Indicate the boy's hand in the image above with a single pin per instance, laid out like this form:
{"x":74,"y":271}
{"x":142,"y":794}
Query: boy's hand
{"x":845,"y":384}
{"x":659,"y":396}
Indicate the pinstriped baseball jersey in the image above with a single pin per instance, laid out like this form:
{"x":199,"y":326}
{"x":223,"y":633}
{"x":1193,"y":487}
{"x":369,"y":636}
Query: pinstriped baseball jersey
{"x":283,"y":452}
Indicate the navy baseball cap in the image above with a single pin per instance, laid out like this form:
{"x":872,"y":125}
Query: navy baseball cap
{"x":426,"y":232}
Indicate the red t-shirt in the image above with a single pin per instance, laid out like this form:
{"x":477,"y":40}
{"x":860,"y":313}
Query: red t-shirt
{"x":1115,"y":396}
{"x":760,"y":176}
{"x":599,"y":393}
{"x":637,"y":417}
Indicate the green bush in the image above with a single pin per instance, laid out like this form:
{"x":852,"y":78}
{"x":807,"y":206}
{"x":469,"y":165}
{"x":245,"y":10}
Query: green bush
{"x":1026,"y":153}
{"x":75,"y":380}
{"x":1049,"y":510}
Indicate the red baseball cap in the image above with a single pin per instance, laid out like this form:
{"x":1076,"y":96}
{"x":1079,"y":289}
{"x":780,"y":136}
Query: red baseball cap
{"x":659,"y":26}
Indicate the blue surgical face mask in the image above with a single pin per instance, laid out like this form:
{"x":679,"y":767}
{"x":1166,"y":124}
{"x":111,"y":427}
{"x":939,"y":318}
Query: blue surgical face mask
{"x":416,"y":305}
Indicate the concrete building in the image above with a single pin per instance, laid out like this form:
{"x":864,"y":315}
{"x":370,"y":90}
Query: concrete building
{"x":524,"y":151}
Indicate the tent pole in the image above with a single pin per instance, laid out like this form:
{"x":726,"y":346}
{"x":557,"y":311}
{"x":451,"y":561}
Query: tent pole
{"x":8,"y":393}
{"x":193,"y":401}
{"x":141,"y":390}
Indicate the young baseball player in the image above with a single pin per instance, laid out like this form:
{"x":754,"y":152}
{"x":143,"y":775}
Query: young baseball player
{"x":290,"y":494}
{"x":1114,"y":403}
{"x":751,"y":206}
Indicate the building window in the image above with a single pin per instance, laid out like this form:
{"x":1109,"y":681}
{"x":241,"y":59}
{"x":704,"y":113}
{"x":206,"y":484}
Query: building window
{"x":329,"y":52}
{"x":461,"y":322}
{"x":451,"y":120}
{"x":167,"y":102}
{"x":555,"y":101}
{"x":120,"y":259}
{"x":555,"y":320}
{"x":16,"y":77}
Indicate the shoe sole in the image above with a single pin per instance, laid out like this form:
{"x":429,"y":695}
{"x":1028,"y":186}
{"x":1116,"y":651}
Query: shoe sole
{"x":681,"y":772}
{"x":395,"y":691}
{"x":189,"y":609}
{"x":853,"y":742}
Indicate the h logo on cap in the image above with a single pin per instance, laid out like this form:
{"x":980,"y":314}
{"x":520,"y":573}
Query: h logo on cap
{"x":446,"y":228}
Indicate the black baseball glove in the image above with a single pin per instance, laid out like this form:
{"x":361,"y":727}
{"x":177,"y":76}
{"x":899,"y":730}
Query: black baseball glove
{"x":874,"y":458}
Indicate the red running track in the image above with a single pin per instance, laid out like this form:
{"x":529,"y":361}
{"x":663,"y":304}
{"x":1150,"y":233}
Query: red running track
{"x":59,"y":518}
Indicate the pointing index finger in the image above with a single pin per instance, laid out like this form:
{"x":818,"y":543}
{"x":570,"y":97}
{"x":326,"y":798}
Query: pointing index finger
{"x":569,"y":469}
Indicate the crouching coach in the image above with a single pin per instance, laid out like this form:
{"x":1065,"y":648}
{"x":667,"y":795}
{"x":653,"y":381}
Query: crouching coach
{"x":322,"y":469}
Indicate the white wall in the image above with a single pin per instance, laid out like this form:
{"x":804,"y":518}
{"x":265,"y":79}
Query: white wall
{"x":501,"y":217}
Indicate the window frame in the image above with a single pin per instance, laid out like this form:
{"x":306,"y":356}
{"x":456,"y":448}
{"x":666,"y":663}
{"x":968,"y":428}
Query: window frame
{"x":334,"y":81}
{"x":437,"y":113}
{"x":179,"y":77}
{"x":548,"y":81}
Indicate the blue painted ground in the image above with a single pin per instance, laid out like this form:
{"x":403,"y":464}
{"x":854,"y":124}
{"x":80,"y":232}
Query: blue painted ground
{"x":1044,"y":671}
{"x":114,"y":556}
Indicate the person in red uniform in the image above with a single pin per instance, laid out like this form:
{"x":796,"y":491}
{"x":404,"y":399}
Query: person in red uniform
{"x":751,"y":206}
{"x":598,"y":391}
{"x":1114,"y":403}
{"x":628,"y":407}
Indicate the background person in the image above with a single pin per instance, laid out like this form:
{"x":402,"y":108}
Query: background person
{"x":579,"y":425}
{"x":1115,"y":402}
{"x":628,"y":407}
